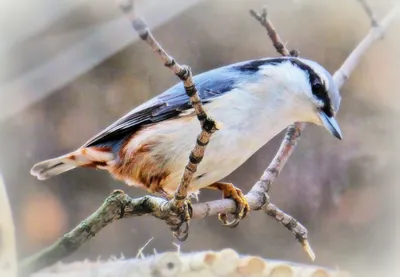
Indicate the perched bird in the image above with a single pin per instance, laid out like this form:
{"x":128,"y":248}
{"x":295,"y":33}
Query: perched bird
{"x":252,"y":100}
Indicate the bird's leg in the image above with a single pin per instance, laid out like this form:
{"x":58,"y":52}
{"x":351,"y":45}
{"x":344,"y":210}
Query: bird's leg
{"x":231,"y":192}
{"x":178,"y":221}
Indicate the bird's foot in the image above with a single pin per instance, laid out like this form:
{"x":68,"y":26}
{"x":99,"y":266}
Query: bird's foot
{"x":242,"y":206}
{"x":178,"y":222}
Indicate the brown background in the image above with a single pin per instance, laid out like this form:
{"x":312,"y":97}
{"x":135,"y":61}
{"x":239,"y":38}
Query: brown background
{"x":344,"y":192}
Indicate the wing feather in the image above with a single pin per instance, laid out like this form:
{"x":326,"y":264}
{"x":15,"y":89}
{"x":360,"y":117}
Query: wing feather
{"x":166,"y":105}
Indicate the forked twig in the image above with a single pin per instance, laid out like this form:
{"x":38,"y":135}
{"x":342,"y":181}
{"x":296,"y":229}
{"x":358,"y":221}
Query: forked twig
{"x":375,"y":33}
{"x":286,"y":148}
{"x":119,"y":205}
{"x":369,"y":12}
{"x":273,"y":35}
{"x":293,"y":132}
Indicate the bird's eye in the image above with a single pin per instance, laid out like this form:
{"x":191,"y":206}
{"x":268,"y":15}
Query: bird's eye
{"x":317,"y":86}
{"x":318,"y":90}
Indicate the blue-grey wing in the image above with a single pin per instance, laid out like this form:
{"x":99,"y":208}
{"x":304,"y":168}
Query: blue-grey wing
{"x":169,"y":104}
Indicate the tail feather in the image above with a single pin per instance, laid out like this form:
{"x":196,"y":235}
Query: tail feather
{"x":50,"y":168}
{"x":82,"y":157}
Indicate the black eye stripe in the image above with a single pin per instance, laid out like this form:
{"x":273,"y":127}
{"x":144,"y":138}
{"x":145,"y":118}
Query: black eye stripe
{"x":320,"y":93}
{"x":317,"y":86}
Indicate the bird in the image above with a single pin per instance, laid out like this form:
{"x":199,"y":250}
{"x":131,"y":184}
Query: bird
{"x":252,"y":100}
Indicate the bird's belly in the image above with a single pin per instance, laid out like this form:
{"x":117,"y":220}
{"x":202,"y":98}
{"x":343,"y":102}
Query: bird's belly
{"x":228,"y":149}
{"x":168,"y":145}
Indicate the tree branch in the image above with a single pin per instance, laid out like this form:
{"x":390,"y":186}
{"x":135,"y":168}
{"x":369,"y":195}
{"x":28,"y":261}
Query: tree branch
{"x":375,"y":33}
{"x":119,"y":205}
{"x":183,"y":72}
{"x":286,"y":148}
{"x":273,"y":35}
{"x":293,"y":132}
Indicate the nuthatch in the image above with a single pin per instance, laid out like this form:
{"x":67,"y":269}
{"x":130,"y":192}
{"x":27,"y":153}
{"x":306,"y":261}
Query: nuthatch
{"x":253,"y":100}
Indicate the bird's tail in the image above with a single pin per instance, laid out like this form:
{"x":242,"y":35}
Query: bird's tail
{"x":87,"y":157}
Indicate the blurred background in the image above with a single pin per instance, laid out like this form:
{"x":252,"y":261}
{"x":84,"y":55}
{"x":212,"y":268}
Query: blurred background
{"x":69,"y":68}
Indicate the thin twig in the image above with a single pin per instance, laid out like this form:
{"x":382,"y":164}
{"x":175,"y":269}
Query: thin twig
{"x":293,"y":133}
{"x":292,"y":225}
{"x":141,"y":249}
{"x":183,"y":72}
{"x":286,"y":148}
{"x":370,"y":13}
{"x":375,"y":33}
{"x":208,"y":125}
{"x":273,"y":35}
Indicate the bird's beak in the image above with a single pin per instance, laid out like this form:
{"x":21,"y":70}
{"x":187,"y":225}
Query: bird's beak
{"x":331,"y":125}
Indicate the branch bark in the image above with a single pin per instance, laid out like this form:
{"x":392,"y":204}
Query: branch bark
{"x":119,"y":205}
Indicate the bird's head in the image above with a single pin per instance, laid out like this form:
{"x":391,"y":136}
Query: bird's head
{"x":304,"y":87}
{"x":323,"y":94}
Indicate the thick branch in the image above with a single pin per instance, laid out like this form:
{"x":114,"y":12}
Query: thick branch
{"x":119,"y":205}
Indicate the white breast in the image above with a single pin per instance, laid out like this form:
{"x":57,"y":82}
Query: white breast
{"x":248,"y":122}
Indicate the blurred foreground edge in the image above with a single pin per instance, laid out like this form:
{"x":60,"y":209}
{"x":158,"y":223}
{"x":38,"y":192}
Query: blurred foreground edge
{"x":224,"y":263}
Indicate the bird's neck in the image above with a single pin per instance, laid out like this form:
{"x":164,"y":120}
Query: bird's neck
{"x":263,"y":115}
{"x":283,"y":100}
